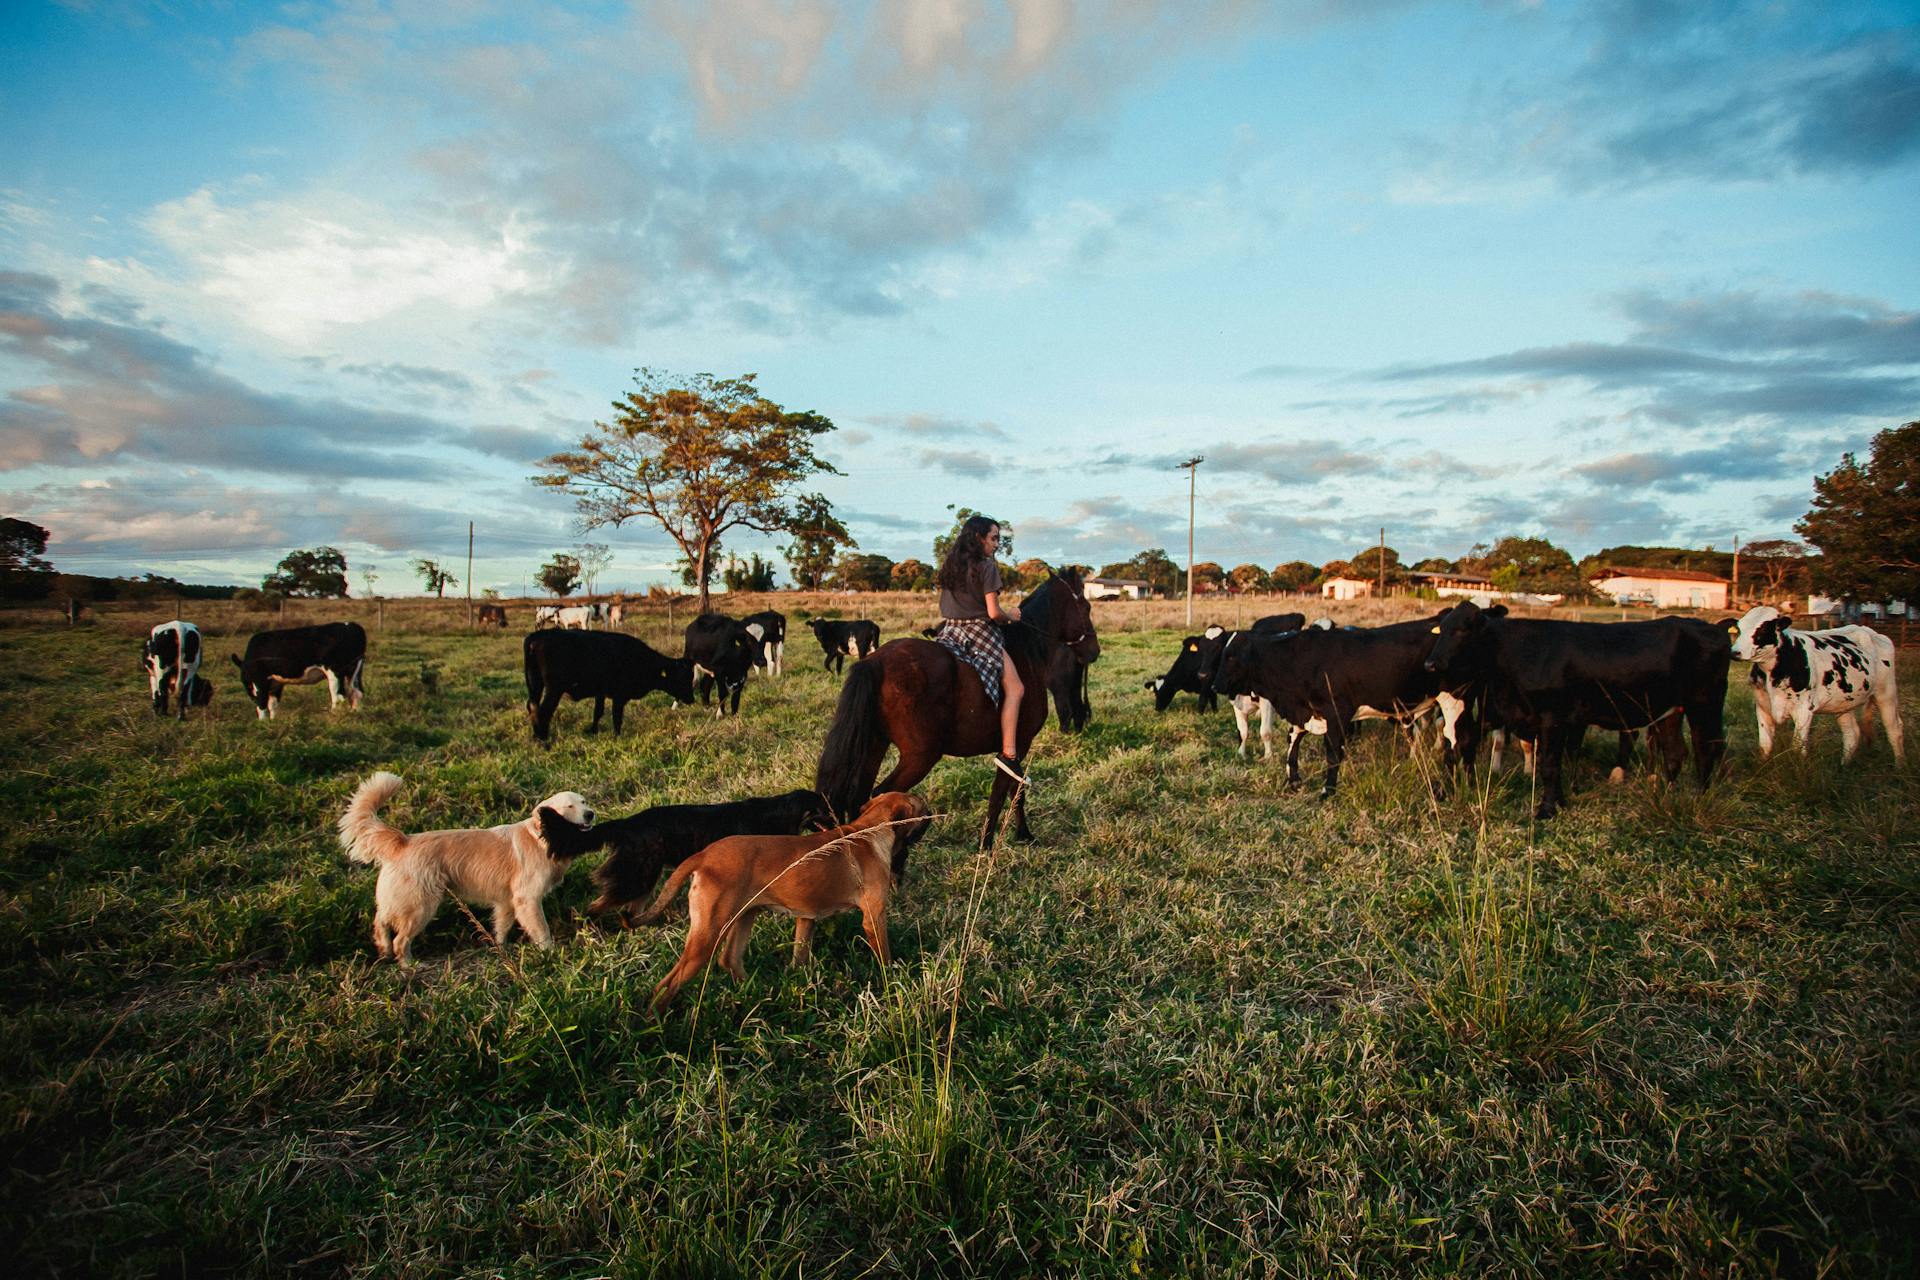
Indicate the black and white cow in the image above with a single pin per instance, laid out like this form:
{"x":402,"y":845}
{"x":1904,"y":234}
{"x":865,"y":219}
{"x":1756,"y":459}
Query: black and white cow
{"x":171,"y":657}
{"x":843,"y":640}
{"x":1846,"y":672}
{"x":602,"y":665}
{"x":572,"y":617}
{"x":726,"y":650}
{"x":773,"y":638}
{"x":1184,"y":675}
{"x":1546,"y":681}
{"x":335,"y":652}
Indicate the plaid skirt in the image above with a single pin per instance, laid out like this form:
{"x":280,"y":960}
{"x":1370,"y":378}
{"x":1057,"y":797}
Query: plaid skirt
{"x":976,"y":642}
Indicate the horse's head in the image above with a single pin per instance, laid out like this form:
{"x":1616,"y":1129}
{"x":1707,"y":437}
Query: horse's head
{"x":1071,"y":616}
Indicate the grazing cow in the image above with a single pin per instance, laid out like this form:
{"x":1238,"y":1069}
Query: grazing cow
{"x":1184,"y":675}
{"x":571,"y":617}
{"x":843,"y":640}
{"x":1846,"y":672}
{"x":333,"y":651}
{"x":656,"y":840}
{"x":602,"y":665}
{"x":1323,"y":680}
{"x":773,"y":638}
{"x":1547,"y":681}
{"x":726,"y":650}
{"x":493,"y":615}
{"x":616,"y":613}
{"x":171,"y":656}
{"x":1275,"y":624}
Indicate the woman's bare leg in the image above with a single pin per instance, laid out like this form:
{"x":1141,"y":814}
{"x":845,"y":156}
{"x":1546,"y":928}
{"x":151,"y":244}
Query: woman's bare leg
{"x":1010,"y":693}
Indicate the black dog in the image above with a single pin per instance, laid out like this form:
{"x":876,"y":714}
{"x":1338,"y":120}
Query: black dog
{"x":655,"y":840}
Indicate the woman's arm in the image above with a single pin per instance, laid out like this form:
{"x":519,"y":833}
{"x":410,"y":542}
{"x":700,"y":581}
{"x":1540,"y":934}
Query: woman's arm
{"x":993,"y":608}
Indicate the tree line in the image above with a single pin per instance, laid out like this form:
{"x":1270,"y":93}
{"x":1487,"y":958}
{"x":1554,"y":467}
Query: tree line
{"x":708,"y":456}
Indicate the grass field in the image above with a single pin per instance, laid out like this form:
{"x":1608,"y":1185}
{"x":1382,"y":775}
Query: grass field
{"x":1205,"y":1026}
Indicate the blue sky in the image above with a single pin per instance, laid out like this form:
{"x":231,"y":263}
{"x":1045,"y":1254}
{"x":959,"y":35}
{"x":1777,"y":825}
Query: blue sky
{"x":1624,"y":272}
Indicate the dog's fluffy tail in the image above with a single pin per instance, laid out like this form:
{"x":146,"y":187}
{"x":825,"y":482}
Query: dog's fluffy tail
{"x":362,"y":834}
{"x":668,"y":891}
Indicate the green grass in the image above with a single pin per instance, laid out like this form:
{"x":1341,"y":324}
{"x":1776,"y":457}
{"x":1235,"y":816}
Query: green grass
{"x":1207,"y":1025}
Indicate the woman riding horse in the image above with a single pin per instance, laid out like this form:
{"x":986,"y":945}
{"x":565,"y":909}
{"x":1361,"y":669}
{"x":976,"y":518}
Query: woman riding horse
{"x":921,"y":697}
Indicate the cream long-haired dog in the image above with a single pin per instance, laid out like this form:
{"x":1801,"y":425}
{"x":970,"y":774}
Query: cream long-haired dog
{"x":508,"y":868}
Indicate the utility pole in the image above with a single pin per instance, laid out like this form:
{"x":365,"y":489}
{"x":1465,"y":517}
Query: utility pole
{"x":1382,"y":592}
{"x":1192,"y":467}
{"x":1734,"y":592}
{"x":469,"y":575}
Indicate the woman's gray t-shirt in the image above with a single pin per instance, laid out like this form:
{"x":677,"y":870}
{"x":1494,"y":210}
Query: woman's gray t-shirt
{"x":971,"y":602}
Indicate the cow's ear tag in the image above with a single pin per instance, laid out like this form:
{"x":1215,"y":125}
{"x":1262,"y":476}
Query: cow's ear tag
{"x":1436,"y":631}
{"x":1193,"y":648}
{"x":1733,"y":631}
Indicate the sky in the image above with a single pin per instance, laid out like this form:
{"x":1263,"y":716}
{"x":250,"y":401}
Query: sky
{"x":273,"y":277}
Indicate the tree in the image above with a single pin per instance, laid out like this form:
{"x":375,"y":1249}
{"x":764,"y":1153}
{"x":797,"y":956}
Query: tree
{"x":320,"y":574}
{"x":1866,"y":521}
{"x":1249,"y":577}
{"x":1435,"y":564}
{"x":369,"y":574}
{"x":698,"y":459}
{"x":1780,"y":566}
{"x":1207,"y":576}
{"x":862,"y":572}
{"x":436,"y":578}
{"x":1294,"y":575}
{"x":25,"y":573}
{"x":1154,"y":566}
{"x":1336,"y":569}
{"x":560,"y":574}
{"x":594,"y":558}
{"x":818,"y":537}
{"x":1526,"y":564}
{"x":753,"y":574}
{"x":912,"y":575}
{"x":1367,"y":565}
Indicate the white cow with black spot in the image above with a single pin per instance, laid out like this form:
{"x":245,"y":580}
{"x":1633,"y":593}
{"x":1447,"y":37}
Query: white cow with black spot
{"x":1846,"y":672}
{"x":171,"y":656}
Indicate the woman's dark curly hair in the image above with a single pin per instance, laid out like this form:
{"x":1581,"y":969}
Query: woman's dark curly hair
{"x":966,"y":555}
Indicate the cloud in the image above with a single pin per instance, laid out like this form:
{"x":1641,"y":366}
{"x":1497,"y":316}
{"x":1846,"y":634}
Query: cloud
{"x":1716,"y":359}
{"x":1692,"y":469}
{"x":751,"y":162}
{"x":925,"y":425}
{"x":83,"y":390}
{"x":1718,"y":91}
{"x":959,"y":462}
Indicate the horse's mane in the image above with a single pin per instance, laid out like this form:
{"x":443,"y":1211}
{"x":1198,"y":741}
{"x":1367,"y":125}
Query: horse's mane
{"x":1032,"y":640}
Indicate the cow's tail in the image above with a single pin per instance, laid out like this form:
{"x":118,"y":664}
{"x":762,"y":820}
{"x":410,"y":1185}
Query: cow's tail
{"x":668,"y":891}
{"x":856,"y":741}
{"x":362,"y":834}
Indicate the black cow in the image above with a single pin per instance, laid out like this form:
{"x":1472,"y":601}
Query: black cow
{"x":493,"y":615}
{"x":333,"y":651}
{"x":1547,"y":681}
{"x":1184,"y":675}
{"x":1275,"y":624}
{"x":170,"y":656}
{"x":843,"y":640}
{"x":725,"y":650}
{"x":655,"y":840}
{"x":1321,"y":681}
{"x":602,"y":665}
{"x":773,"y":638}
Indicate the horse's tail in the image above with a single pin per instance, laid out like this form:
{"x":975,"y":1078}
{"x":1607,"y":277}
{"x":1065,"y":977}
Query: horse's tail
{"x":850,"y":758}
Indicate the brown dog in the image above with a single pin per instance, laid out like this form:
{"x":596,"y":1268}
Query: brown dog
{"x":807,"y":877}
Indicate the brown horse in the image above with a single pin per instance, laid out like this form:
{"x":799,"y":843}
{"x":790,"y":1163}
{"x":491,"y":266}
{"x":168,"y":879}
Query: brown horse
{"x":915,"y":695}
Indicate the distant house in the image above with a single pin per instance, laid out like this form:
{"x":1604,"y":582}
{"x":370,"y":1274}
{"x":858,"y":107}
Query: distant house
{"x":1346,"y":588}
{"x":1662,"y":588}
{"x":1118,"y":588}
{"x":1453,"y":584}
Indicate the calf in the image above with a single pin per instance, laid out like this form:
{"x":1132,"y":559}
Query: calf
{"x":1847,"y":672}
{"x":171,"y":656}
{"x":1322,"y":680}
{"x":493,"y":615}
{"x":773,"y":638}
{"x":1546,"y":681}
{"x":725,"y":650}
{"x":656,"y":840}
{"x":333,"y":651}
{"x":843,"y":640}
{"x":602,"y":665}
{"x":1184,"y":675}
